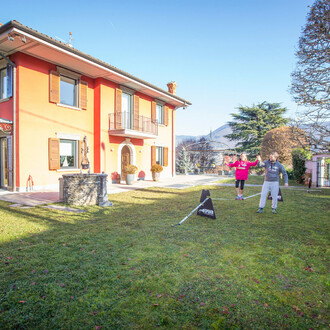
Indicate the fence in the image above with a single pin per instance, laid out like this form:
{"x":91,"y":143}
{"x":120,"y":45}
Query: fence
{"x":126,"y":120}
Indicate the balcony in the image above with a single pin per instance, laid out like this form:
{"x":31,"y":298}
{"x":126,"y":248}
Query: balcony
{"x":140,"y":127}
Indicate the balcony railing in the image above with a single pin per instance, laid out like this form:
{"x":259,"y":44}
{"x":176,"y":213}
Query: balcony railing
{"x":125,"y":123}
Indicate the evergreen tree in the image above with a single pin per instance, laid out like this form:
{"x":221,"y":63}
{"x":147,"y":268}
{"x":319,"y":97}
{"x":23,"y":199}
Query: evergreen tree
{"x":252,"y":123}
{"x":311,"y":78}
{"x":183,"y":163}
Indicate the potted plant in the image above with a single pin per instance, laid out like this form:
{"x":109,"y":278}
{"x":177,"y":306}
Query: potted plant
{"x":130,"y":171}
{"x":141,"y":175}
{"x":114,"y":177}
{"x":155,"y":170}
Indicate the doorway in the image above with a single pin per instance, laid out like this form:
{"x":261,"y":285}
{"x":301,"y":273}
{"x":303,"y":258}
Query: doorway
{"x":4,"y":177}
{"x":125,"y":160}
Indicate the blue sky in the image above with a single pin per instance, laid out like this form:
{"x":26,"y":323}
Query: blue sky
{"x":222,"y":53}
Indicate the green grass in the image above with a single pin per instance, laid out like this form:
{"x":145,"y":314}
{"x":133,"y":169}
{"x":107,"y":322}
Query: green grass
{"x":126,"y":267}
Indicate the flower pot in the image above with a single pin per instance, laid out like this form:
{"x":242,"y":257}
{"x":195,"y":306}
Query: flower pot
{"x":130,"y":178}
{"x":155,"y":176}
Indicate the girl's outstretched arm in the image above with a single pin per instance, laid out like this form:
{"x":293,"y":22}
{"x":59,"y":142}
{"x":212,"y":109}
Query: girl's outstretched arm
{"x":253,"y":163}
{"x":232,"y":164}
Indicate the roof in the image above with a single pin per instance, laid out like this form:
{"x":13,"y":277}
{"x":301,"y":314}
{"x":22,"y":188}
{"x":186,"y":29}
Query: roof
{"x":34,"y":43}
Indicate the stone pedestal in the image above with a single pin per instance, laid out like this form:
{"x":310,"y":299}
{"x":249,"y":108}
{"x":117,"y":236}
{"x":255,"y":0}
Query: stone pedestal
{"x":85,"y":189}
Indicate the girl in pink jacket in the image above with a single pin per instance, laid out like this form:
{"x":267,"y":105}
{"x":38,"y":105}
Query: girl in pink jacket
{"x":242,"y":172}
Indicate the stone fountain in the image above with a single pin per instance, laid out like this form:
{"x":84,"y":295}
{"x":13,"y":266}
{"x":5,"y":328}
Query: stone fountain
{"x":85,"y":188}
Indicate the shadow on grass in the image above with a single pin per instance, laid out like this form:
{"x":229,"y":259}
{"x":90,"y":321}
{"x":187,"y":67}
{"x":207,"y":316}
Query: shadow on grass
{"x":31,"y":215}
{"x":166,"y":191}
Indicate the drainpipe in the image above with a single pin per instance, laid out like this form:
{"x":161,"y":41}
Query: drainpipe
{"x":14,"y":129}
{"x":173,"y":145}
{"x":14,"y":121}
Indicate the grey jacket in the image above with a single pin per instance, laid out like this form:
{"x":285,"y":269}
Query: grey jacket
{"x":272,"y":171}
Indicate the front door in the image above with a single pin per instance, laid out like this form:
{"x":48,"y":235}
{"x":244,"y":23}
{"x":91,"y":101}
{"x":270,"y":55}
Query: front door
{"x":3,"y":163}
{"x":125,"y":160}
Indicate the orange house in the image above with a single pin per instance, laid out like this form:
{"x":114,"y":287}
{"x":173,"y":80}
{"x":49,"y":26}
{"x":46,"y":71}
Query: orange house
{"x":52,"y":96}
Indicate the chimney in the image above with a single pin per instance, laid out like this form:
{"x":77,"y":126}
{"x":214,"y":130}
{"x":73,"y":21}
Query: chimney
{"x":172,"y":87}
{"x":1,"y":24}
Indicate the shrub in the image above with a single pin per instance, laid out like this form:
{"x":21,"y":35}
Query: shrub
{"x":299,"y":157}
{"x":141,"y":175}
{"x":114,"y":176}
{"x":282,"y":140}
{"x":130,"y":169}
{"x":156,"y":168}
{"x":290,"y":174}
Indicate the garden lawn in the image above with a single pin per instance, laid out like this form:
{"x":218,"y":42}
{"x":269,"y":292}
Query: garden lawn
{"x":126,"y":267}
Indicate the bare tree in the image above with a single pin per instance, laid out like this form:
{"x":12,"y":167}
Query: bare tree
{"x":193,"y":152}
{"x":204,"y":152}
{"x":310,"y":86}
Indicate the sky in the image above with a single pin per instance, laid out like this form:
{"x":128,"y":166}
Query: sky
{"x":222,"y":53}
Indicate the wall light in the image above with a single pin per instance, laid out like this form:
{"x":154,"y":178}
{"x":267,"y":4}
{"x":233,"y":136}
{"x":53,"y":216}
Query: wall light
{"x":10,"y":38}
{"x":23,"y":39}
{"x":111,"y":149}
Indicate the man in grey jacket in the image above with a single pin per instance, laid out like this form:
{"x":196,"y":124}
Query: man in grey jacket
{"x":273,"y":168}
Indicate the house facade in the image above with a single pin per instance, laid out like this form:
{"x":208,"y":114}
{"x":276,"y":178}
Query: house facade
{"x":53,"y":97}
{"x":319,"y":169}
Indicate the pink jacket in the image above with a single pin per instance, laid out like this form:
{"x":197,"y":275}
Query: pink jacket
{"x":242,"y":169}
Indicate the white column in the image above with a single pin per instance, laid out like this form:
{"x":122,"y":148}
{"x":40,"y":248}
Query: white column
{"x":322,"y":172}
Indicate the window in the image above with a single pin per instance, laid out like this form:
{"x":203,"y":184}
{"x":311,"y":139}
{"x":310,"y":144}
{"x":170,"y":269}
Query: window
{"x":160,"y":114}
{"x":127,"y":112}
{"x":3,"y":83}
{"x":160,"y":155}
{"x":6,"y":82}
{"x":68,"y":91}
{"x":64,"y":152}
{"x":66,"y":88}
{"x":68,"y":154}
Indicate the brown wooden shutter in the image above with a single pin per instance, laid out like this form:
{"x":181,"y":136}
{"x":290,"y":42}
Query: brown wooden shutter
{"x":80,"y":144}
{"x":165,"y":156}
{"x":54,"y":153}
{"x":153,"y":112}
{"x":54,"y":87}
{"x":153,"y":155}
{"x":136,"y":112}
{"x":83,"y":87}
{"x":118,"y":100}
{"x":166,"y":116}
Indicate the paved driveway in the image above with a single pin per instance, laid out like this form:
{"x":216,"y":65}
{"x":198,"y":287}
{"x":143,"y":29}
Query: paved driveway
{"x":30,"y":198}
{"x":48,"y":197}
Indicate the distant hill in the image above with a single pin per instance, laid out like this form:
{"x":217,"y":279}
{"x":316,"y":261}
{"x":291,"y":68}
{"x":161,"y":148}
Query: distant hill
{"x":217,"y":135}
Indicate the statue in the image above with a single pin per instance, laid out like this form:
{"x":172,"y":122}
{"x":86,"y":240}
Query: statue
{"x":84,"y":158}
